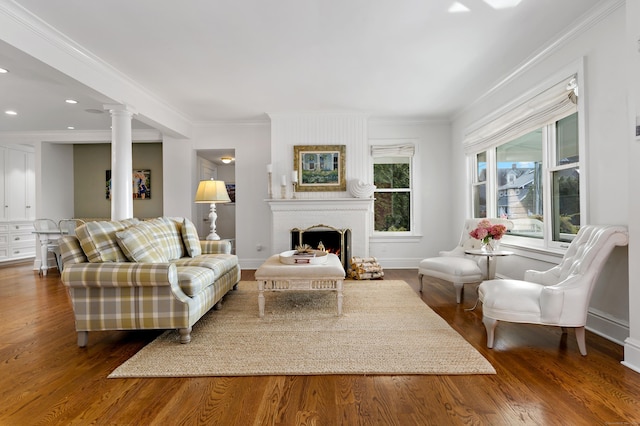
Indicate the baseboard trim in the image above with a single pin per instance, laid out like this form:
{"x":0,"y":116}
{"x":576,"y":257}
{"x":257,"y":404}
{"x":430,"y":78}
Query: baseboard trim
{"x":606,"y":326}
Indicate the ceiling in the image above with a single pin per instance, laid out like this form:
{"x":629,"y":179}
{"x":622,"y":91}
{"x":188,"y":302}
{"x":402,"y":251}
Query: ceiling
{"x":217,"y":61}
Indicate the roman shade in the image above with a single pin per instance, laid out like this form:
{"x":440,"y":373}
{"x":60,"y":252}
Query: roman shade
{"x":553,"y":104}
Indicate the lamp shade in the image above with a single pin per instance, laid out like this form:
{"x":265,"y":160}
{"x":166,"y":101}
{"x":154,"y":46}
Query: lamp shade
{"x":212,"y":191}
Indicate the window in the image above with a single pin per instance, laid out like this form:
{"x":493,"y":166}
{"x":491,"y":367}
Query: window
{"x":392,"y":175}
{"x":526,"y":167}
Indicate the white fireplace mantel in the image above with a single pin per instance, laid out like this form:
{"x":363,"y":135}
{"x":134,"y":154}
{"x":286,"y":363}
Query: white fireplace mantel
{"x":342,"y":213}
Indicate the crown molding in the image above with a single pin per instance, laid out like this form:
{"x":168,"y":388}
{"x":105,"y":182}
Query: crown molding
{"x":29,"y":33}
{"x":587,"y":21}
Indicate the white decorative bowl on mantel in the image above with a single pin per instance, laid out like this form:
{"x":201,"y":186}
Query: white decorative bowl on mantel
{"x":359,"y":189}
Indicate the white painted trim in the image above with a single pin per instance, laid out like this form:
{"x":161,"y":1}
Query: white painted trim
{"x":604,"y":325}
{"x":632,"y":354}
{"x":27,"y":32}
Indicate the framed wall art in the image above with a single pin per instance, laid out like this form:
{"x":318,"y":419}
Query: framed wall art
{"x":140,"y":184}
{"x":320,"y":167}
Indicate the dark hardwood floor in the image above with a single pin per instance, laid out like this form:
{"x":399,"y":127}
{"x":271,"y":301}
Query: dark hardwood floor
{"x":541,"y":377}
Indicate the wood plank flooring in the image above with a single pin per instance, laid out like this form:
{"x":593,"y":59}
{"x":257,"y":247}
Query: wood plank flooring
{"x":45,"y":379}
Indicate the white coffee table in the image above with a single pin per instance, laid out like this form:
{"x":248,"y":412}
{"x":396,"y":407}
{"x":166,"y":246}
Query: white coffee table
{"x":274,"y":275}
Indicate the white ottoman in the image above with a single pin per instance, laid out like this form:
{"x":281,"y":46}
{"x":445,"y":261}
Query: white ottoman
{"x":273,"y":275}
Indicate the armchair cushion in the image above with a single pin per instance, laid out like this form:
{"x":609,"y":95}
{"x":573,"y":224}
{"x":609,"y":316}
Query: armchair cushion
{"x":519,"y":300}
{"x":451,"y":268}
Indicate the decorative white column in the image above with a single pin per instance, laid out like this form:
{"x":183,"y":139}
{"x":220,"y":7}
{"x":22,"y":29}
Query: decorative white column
{"x":121,"y":162}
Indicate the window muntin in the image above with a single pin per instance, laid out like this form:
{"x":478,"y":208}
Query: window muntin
{"x":544,"y":161}
{"x":392,"y":205}
{"x":565,"y":180}
{"x":519,"y":187}
{"x":480,"y":186}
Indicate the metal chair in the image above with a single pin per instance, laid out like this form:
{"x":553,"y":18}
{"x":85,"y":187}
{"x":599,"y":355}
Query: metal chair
{"x":68,"y":226}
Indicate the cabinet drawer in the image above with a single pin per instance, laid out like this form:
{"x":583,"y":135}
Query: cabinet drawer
{"x":4,"y":227}
{"x":23,"y":251}
{"x":17,"y":237}
{"x":4,"y":240}
{"x":21,"y":227}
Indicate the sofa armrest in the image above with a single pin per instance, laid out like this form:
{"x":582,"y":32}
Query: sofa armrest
{"x":120,"y":274}
{"x":215,"y":247}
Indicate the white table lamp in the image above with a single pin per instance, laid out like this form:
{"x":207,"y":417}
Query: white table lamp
{"x":213,"y":192}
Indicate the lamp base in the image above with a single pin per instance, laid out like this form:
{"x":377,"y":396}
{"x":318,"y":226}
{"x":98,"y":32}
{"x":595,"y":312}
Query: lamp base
{"x":212,"y":219}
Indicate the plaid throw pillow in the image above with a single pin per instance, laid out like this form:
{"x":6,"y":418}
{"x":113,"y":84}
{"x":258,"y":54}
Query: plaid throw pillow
{"x":99,"y":242}
{"x":190,"y":238}
{"x":138,"y":247}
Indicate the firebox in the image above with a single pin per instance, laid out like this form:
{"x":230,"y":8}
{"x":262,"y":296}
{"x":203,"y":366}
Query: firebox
{"x":325,"y":237}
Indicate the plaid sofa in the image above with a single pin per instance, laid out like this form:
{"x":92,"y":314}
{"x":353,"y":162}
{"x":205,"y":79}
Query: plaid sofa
{"x":153,"y":274}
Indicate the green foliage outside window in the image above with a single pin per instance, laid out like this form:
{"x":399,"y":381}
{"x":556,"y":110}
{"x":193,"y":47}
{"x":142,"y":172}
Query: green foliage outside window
{"x":392,"y":209}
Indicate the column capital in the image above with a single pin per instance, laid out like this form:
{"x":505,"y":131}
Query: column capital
{"x":115,"y":108}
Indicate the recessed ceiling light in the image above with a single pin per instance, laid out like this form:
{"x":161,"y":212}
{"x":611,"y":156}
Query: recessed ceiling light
{"x":502,"y":4}
{"x":458,"y":8}
{"x":3,"y":71}
{"x":9,"y":112}
{"x":70,"y":127}
{"x":71,"y":101}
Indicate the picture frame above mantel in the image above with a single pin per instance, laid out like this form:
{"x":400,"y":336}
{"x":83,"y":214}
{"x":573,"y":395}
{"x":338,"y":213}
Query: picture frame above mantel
{"x":320,"y":167}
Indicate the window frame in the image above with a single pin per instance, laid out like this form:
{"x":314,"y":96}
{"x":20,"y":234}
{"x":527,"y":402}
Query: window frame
{"x":550,"y":165}
{"x":414,"y":210}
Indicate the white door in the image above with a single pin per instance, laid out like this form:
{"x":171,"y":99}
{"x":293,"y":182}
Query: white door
{"x":17,"y":184}
{"x":3,"y":171}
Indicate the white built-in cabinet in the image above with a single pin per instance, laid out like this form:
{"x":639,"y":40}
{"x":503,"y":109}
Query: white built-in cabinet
{"x":17,"y":211}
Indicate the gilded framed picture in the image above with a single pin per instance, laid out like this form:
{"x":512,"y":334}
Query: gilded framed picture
{"x":320,"y":167}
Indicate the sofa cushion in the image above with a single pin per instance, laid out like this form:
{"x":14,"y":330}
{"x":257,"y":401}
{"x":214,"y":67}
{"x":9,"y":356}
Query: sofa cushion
{"x":194,"y":279}
{"x":190,"y":238}
{"x":220,"y":264}
{"x":138,"y":247}
{"x":99,"y":242}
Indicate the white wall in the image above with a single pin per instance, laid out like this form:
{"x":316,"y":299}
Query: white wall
{"x":252,"y":144}
{"x":432,"y":192}
{"x":607,"y":170}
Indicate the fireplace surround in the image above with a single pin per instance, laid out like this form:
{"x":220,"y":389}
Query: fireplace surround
{"x":342,"y":213}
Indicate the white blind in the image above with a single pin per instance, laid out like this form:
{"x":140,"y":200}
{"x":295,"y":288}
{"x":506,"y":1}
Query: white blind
{"x":551,"y":105}
{"x":401,"y":150}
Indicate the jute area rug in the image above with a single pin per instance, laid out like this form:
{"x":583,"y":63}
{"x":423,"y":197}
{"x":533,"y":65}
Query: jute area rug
{"x":385,"y":329}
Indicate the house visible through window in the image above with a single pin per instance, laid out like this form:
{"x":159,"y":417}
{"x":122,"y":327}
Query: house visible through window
{"x":392,"y":175}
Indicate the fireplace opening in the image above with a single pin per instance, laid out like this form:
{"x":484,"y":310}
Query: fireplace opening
{"x":325,"y":237}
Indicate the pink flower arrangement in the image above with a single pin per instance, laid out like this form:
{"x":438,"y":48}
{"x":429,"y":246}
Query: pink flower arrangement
{"x":486,"y":231}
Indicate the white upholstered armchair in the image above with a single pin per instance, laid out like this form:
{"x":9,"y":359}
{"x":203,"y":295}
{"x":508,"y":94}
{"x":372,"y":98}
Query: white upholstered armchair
{"x":559,"y":296}
{"x":457,"y":267}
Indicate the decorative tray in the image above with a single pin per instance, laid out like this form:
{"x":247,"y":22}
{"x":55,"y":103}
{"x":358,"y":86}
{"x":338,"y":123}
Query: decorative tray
{"x":292,"y":257}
